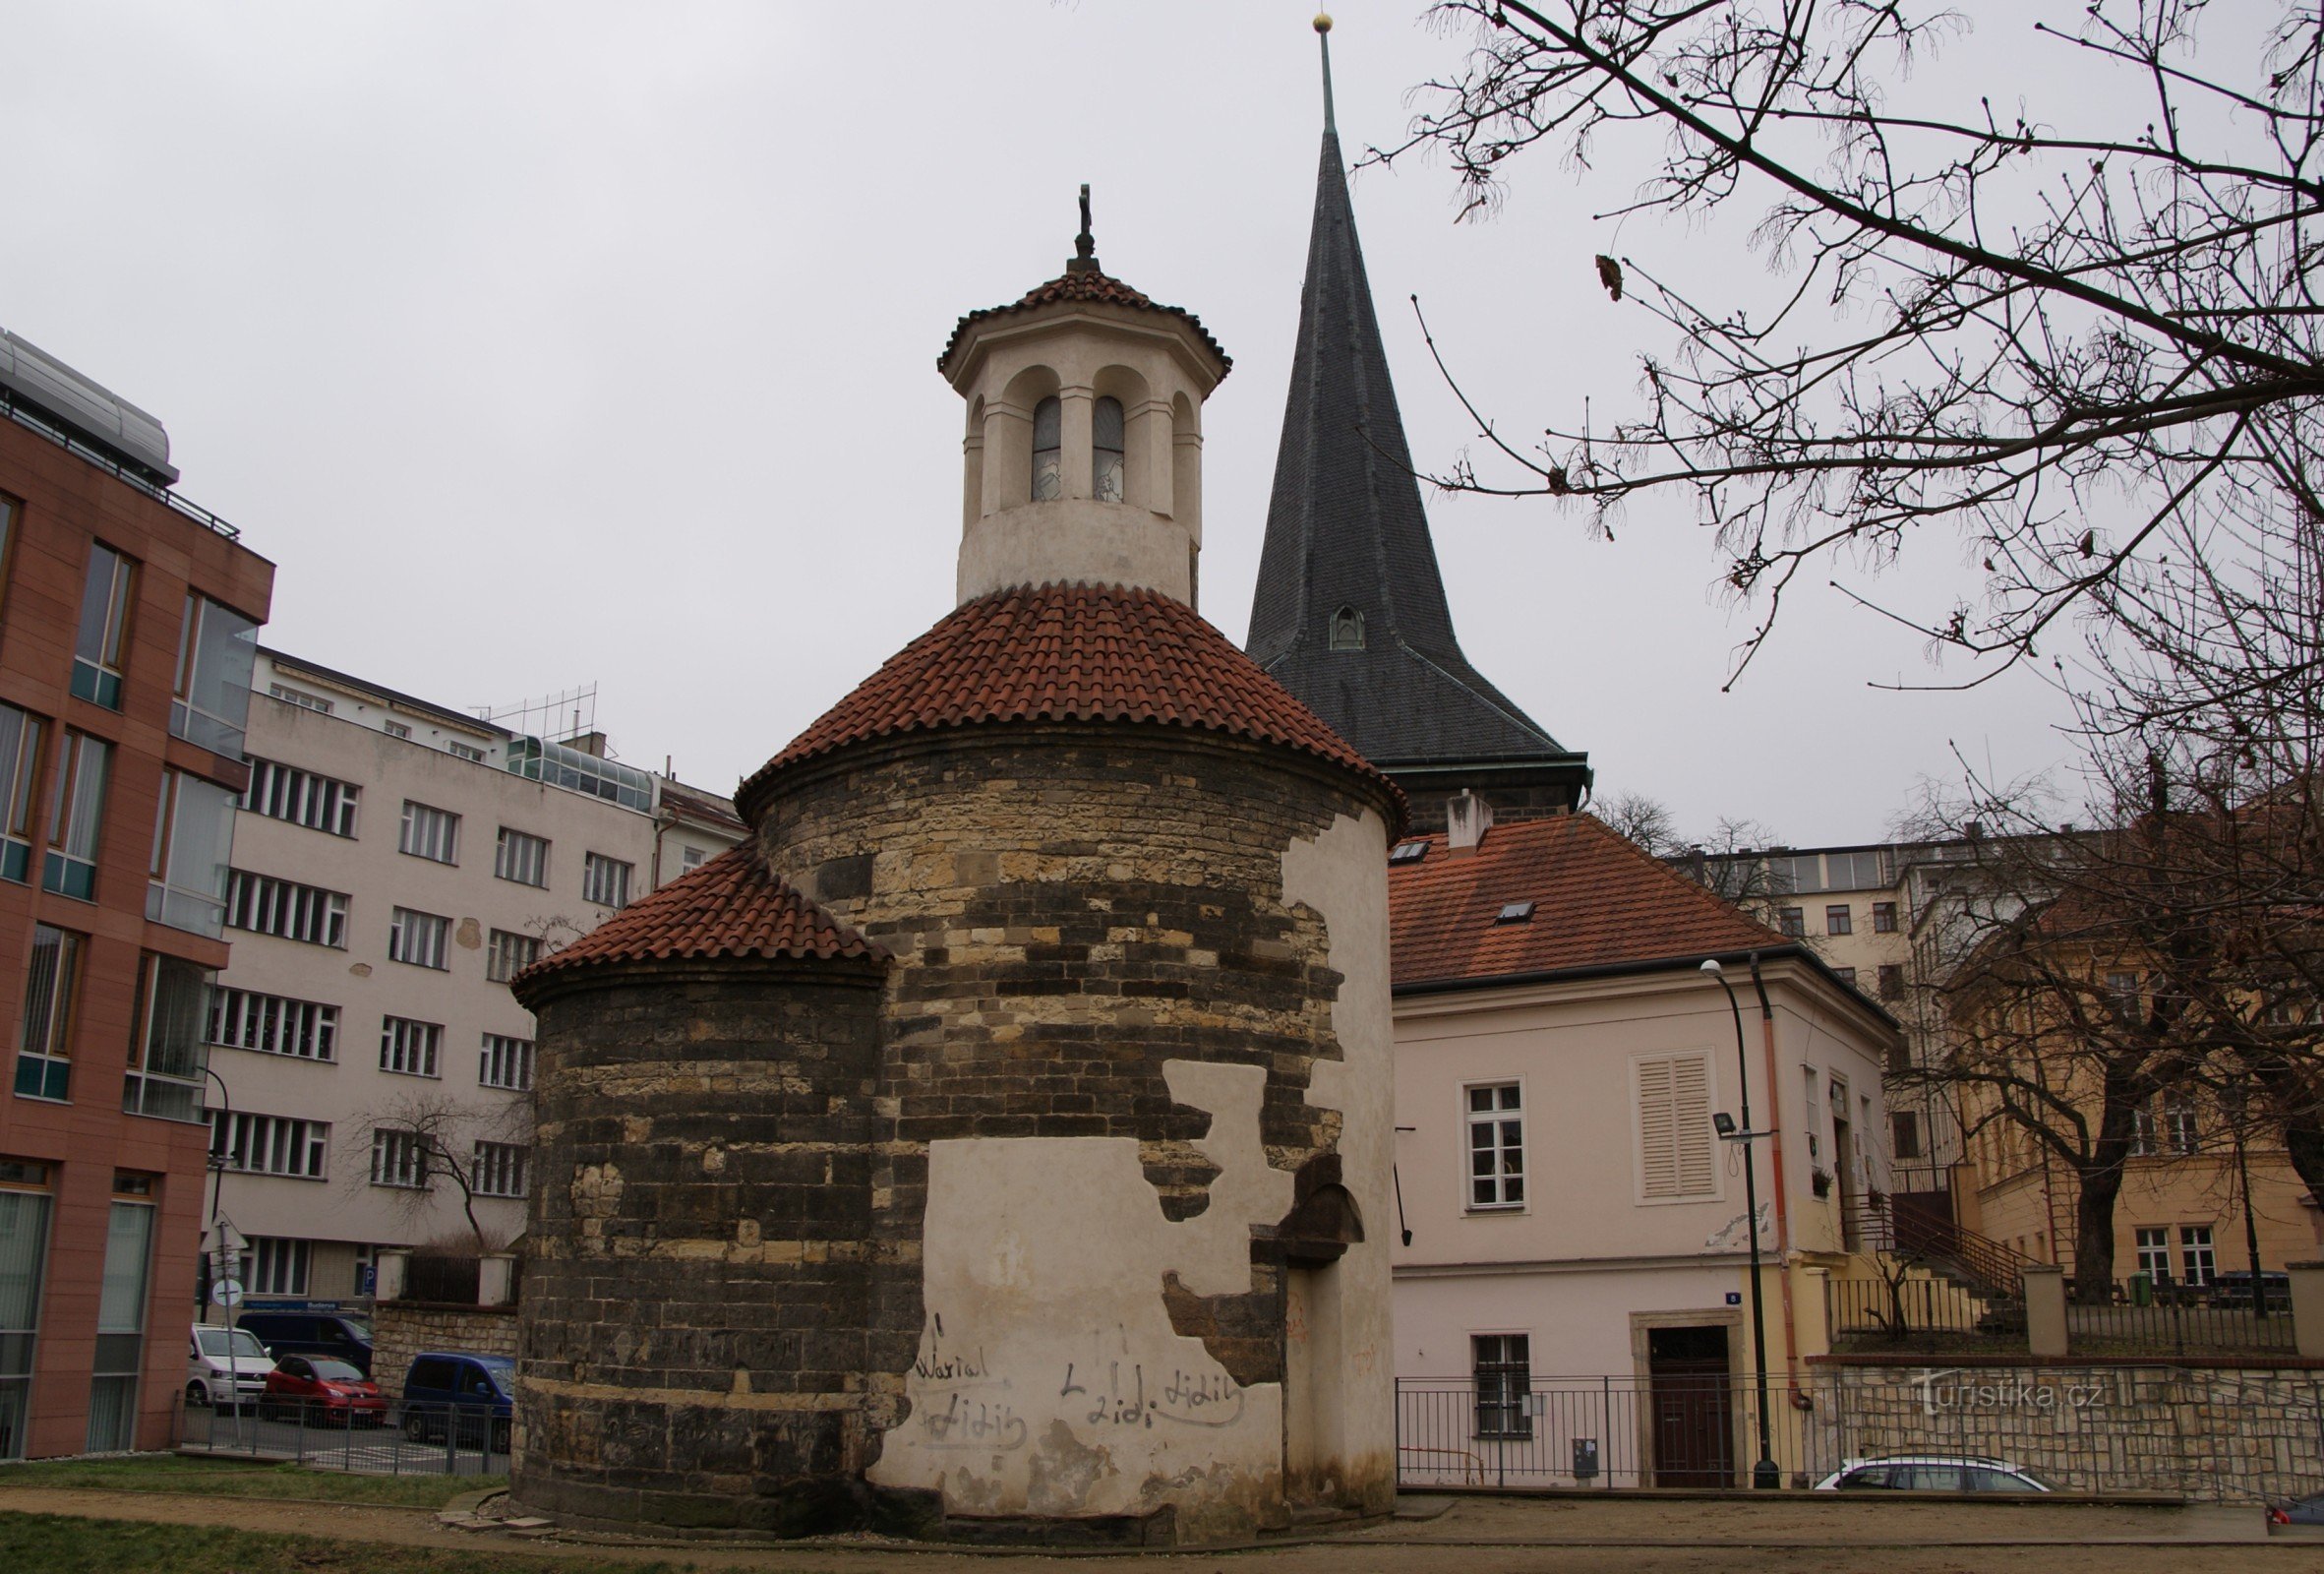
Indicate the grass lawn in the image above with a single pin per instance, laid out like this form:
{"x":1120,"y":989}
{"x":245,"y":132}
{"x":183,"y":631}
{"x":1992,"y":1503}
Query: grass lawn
{"x":212,"y":1478}
{"x":59,"y":1545}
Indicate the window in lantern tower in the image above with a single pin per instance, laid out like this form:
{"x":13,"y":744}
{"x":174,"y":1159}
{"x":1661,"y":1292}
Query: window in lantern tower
{"x":1047,"y":443}
{"x":1106,"y":467}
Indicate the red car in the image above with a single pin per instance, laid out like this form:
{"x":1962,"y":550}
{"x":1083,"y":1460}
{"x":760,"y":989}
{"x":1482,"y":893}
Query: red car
{"x":330,"y":1392}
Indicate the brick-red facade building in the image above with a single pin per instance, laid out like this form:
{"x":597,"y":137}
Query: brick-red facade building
{"x":127,"y":623}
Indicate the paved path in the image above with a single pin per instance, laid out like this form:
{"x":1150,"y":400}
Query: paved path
{"x":1523,"y":1536}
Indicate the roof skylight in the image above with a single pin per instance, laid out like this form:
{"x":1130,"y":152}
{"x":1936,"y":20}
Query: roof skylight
{"x":1515,"y":913}
{"x":1408,"y":852}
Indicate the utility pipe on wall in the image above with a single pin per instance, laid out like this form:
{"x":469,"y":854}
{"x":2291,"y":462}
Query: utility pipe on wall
{"x":1791,"y":1330}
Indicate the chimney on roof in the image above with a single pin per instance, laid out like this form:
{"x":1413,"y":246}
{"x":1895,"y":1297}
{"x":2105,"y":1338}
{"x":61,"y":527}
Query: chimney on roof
{"x":1466,"y":819}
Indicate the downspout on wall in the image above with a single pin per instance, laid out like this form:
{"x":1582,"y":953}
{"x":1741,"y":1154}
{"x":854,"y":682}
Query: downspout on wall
{"x":1791,"y":1331}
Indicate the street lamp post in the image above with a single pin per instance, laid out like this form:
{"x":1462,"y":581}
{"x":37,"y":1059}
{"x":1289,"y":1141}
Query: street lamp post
{"x":1764,"y":1475}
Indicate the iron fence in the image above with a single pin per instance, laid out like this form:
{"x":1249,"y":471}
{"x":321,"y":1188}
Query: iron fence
{"x":390,"y":1440}
{"x":1920,"y":1311}
{"x":2180,"y":1325}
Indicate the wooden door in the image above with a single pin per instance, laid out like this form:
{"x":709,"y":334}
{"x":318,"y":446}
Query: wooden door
{"x":1691,"y":1392}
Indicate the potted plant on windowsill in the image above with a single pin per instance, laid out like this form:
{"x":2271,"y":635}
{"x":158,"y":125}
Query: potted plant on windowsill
{"x":1821,"y":1183}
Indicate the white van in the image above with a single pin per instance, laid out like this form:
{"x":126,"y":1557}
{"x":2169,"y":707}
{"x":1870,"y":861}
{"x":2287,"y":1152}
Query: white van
{"x":226,"y":1383}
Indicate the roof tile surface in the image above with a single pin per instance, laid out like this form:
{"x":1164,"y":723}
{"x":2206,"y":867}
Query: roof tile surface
{"x":730,"y":907}
{"x":1070,"y":654}
{"x":1598,"y":902}
{"x":1089,"y":287}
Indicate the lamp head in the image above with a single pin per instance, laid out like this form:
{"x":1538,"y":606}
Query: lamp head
{"x":1723,"y":1123}
{"x":1711,"y":965}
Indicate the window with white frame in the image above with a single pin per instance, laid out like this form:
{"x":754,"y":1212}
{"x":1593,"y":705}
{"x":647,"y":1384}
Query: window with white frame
{"x":300,"y":698}
{"x":509,"y":953}
{"x":430,"y":833}
{"x":408,"y":1048}
{"x":522,"y":857}
{"x":419,"y":938}
{"x":1496,"y":1146}
{"x":269,"y":1144}
{"x":605,"y":880}
{"x":400,"y":1159}
{"x":462,"y":751}
{"x":1502,"y":1367}
{"x":395,"y":729}
{"x":2194,"y":1254}
{"x":2179,"y":1132}
{"x":274,"y":1266}
{"x":691,"y":860}
{"x":500,"y":1169}
{"x":2154,"y":1253}
{"x":301,"y":797}
{"x":1675,"y":1138}
{"x":2142,"y":1131}
{"x":506,"y":1062}
{"x":265,"y":905}
{"x":273,"y":1024}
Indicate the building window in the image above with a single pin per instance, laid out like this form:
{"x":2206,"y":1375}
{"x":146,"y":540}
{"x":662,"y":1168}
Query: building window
{"x":509,"y":954}
{"x":285,"y":792}
{"x":409,"y":1049}
{"x":1891,"y":981}
{"x":1503,"y":1368}
{"x":300,"y":698}
{"x":166,"y":1063}
{"x":1884,"y":918}
{"x":500,"y":1169}
{"x":1347,"y":630}
{"x":218,"y":649}
{"x":1496,"y":1146}
{"x":273,"y":1024}
{"x":2121,"y":992}
{"x":120,"y":1328}
{"x":400,"y":1159}
{"x":2194,"y":1254}
{"x":430,"y":833}
{"x":1846,"y":975}
{"x":1108,"y":474}
{"x":104,"y":623}
{"x":2142,"y":1131}
{"x":265,"y":905}
{"x":1837,"y":919}
{"x":506,"y":1062}
{"x":1904,"y":1129}
{"x":23,"y":1253}
{"x":605,"y":880}
{"x":395,"y":729}
{"x":2154,"y":1253}
{"x":522,"y":857}
{"x":1675,"y":1139}
{"x":76,"y":815}
{"x":1792,"y":920}
{"x":19,"y":762}
{"x":418,"y":938}
{"x":43,"y":1063}
{"x":462,"y":751}
{"x":2179,"y":1132}
{"x":1048,"y":443}
{"x":193,"y":847}
{"x":690,"y":860}
{"x":269,"y":1144}
{"x":273,"y":1266}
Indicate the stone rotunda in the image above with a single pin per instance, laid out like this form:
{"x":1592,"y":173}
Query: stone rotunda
{"x":998,"y":1142}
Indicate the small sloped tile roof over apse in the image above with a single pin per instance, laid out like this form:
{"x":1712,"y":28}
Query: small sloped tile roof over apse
{"x":730,"y":907}
{"x":1598,"y":902}
{"x":1076,"y":654}
{"x":1083,"y":288}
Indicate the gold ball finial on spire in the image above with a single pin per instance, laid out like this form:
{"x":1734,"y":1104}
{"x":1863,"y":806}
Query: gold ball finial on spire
{"x":1323,"y":22}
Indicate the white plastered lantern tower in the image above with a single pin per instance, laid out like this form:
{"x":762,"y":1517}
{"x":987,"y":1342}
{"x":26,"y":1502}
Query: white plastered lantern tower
{"x":1083,"y":458}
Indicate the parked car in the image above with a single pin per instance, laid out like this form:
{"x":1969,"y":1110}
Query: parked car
{"x":2234,"y":1288}
{"x":337,"y":1335}
{"x":221,"y":1380}
{"x":445,"y":1387}
{"x":1931,"y":1473}
{"x":325,"y":1391}
{"x":2300,"y":1511}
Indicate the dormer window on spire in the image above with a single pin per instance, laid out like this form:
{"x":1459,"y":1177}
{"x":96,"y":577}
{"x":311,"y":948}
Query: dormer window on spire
{"x":1347,"y":630}
{"x":1049,"y":447}
{"x":1109,"y":469}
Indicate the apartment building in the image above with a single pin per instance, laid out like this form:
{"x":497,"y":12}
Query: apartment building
{"x":397,"y":863}
{"x":128,"y":621}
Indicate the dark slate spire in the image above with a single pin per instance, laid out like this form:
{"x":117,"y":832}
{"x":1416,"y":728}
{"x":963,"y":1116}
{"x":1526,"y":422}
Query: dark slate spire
{"x":1350,"y":612}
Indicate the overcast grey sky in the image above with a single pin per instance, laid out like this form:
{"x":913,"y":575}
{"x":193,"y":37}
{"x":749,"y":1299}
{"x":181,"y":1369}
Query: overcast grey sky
{"x":549,"y":344}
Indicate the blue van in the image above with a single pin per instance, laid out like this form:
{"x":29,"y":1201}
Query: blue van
{"x":476,"y":1391}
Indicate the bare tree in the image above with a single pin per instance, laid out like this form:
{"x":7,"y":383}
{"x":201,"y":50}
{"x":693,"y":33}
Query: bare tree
{"x":1645,"y":820}
{"x":427,"y":1141}
{"x":2076,"y":346}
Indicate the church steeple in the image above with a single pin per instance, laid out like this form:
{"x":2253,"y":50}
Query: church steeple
{"x":1350,"y":613}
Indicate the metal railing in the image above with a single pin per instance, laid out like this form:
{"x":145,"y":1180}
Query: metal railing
{"x":1979,"y":1262}
{"x":34,"y":421}
{"x":2183,"y":1324}
{"x":1916,"y":1310}
{"x":1608,"y":1434}
{"x":389,"y":1441}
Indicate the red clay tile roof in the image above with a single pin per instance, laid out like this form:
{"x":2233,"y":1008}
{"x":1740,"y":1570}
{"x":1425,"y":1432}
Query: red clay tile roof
{"x":1598,"y":902}
{"x":1069,"y":654}
{"x":1068,"y":289}
{"x":730,"y":906}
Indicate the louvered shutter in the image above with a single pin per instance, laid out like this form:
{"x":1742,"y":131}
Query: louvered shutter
{"x":1690,"y":1116}
{"x":1675,"y":1141}
{"x":1658,"y":1155}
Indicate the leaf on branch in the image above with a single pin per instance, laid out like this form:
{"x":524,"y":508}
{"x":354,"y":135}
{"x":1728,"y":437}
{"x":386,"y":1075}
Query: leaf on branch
{"x":1610,"y":275}
{"x":2088,"y":545}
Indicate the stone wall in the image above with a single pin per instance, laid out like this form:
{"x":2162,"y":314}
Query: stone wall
{"x":401,"y":1329}
{"x":2224,"y":1433}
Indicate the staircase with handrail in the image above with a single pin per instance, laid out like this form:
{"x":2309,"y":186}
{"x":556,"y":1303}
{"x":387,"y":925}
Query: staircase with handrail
{"x":1978,"y":1263}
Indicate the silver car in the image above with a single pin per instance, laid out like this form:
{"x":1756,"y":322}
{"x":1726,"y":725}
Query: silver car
{"x":1931,"y":1473}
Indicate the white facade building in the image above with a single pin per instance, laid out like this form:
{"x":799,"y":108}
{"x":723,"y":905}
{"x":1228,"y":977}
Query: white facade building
{"x":396,"y":862}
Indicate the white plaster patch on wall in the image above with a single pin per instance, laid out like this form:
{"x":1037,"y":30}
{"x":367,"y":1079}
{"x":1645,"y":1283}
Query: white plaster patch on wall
{"x":1049,"y":1379}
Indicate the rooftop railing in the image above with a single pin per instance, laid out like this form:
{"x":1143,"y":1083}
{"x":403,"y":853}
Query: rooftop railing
{"x":34,"y":421}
